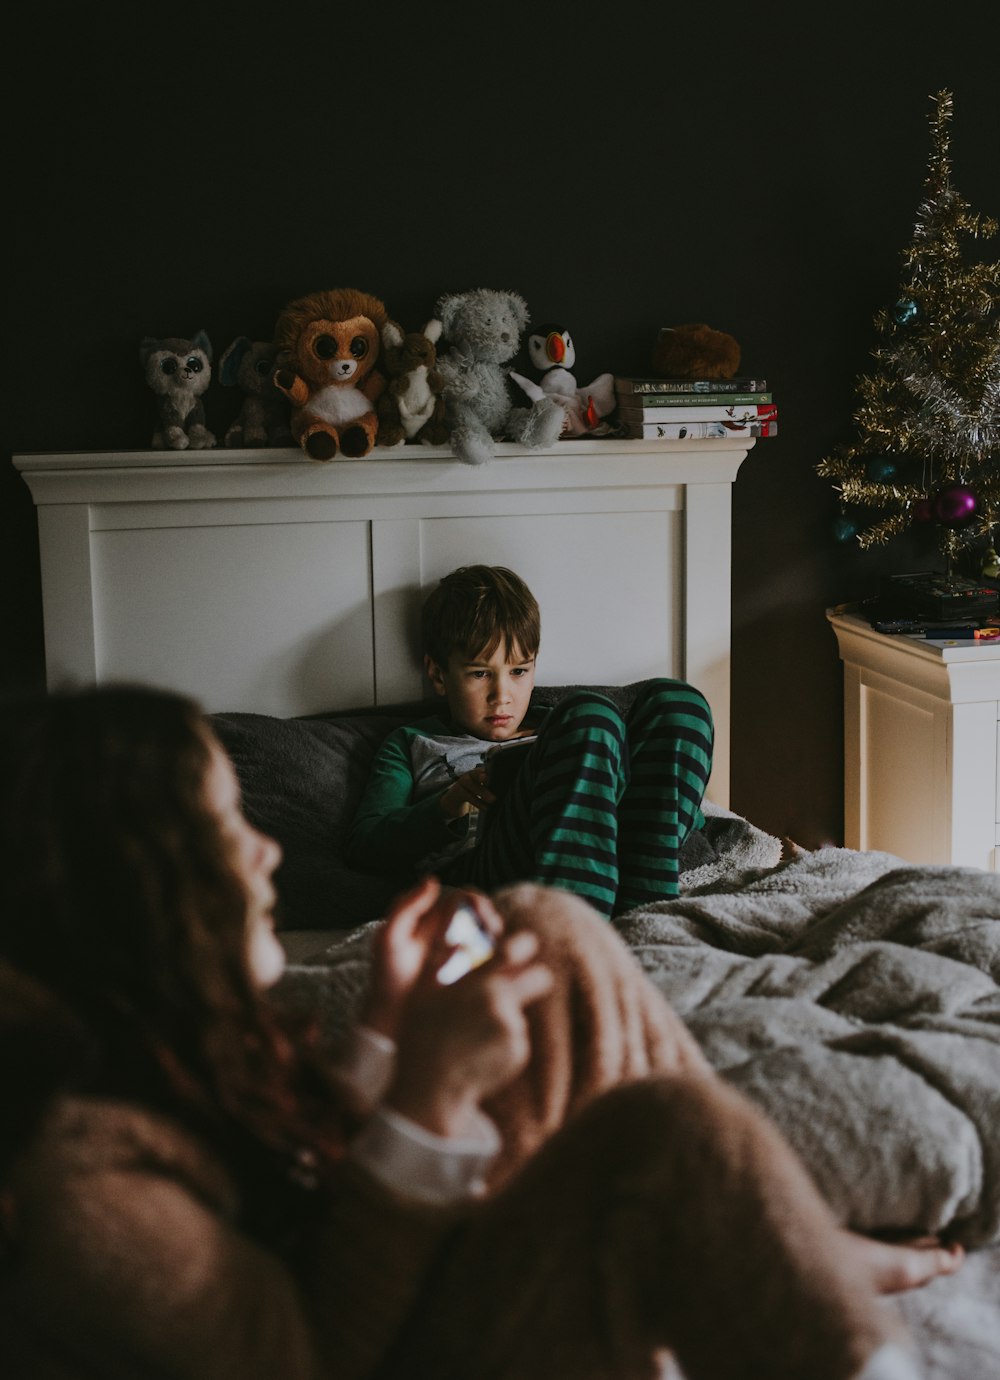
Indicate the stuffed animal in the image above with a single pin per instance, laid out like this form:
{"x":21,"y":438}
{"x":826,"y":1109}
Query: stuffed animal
{"x":179,"y":371}
{"x":482,"y":328}
{"x":553,"y":354}
{"x":263,"y":416}
{"x":695,"y":352}
{"x":411,"y":408}
{"x":328,"y":345}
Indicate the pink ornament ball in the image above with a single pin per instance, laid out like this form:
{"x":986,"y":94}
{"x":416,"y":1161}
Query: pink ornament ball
{"x":955,"y":505}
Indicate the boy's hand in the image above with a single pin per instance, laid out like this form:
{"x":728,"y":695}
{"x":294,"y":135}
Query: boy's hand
{"x":469,"y":792}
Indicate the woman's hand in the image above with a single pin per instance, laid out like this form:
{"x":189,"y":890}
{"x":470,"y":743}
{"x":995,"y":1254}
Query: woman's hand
{"x":467,"y":792}
{"x":458,"y":1044}
{"x":412,"y":941}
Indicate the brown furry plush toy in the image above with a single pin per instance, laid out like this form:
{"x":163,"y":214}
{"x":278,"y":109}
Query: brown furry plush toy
{"x":694,"y":352}
{"x":328,"y":346}
{"x":411,"y":408}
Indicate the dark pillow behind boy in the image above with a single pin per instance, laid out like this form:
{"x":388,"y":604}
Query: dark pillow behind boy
{"x":302,"y":781}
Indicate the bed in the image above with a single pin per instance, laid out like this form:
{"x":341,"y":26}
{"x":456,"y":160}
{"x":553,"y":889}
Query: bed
{"x":852,"y":995}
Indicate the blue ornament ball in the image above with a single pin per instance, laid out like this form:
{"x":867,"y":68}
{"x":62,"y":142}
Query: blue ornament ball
{"x":905,"y":312}
{"x":844,"y":528}
{"x":880,"y":470}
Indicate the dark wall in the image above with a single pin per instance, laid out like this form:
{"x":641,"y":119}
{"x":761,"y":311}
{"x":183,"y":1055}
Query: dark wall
{"x":660,"y":166}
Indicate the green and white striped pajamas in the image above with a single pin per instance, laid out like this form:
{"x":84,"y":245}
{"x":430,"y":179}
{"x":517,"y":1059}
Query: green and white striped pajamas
{"x":603,"y":801}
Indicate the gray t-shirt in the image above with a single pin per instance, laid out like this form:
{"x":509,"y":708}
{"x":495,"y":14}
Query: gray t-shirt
{"x":436,"y":763}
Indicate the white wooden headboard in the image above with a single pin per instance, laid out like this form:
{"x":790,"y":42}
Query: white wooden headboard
{"x":259,"y":580}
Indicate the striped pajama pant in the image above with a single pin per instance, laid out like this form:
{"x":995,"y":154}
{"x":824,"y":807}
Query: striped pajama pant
{"x":603,"y":801}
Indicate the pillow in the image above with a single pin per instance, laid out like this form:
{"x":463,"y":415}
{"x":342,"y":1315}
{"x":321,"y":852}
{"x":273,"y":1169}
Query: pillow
{"x":302,"y":781}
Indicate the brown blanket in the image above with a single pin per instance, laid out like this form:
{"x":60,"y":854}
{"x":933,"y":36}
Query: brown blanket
{"x":603,"y":1023}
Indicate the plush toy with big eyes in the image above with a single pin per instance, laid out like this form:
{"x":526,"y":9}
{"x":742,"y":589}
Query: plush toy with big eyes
{"x":328,"y":344}
{"x":179,"y":371}
{"x":263,"y":416}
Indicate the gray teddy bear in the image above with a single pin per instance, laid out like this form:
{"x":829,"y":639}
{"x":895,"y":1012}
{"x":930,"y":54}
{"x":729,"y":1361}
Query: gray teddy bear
{"x":482,"y":329}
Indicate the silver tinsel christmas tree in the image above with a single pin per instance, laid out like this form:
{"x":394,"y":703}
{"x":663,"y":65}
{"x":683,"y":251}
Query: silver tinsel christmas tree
{"x":928,"y":421}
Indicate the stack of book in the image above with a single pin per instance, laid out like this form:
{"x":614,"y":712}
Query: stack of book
{"x":686,"y":409}
{"x":929,"y":601}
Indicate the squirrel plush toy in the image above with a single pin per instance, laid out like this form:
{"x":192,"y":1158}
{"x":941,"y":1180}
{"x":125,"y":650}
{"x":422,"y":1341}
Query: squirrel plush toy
{"x":411,"y":408}
{"x":328,"y":345}
{"x":694,"y":351}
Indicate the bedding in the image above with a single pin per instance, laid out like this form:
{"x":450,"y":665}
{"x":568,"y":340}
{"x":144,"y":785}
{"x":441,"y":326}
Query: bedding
{"x":854,"y":997}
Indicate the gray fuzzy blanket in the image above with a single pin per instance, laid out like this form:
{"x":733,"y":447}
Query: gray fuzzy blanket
{"x":856,"y":1000}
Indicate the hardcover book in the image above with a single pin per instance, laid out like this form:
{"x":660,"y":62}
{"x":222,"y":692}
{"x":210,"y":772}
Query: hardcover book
{"x":740,"y":412}
{"x":659,"y":400}
{"x":647,"y":385}
{"x":930,"y":595}
{"x":680,"y":431}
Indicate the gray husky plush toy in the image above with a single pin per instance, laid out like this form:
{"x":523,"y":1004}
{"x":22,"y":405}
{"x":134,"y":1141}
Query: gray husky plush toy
{"x":179,"y":371}
{"x":482,"y":329}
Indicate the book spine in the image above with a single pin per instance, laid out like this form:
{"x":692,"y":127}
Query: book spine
{"x":699,"y":431}
{"x":657,"y":401}
{"x":738,"y":413}
{"x":741,"y":385}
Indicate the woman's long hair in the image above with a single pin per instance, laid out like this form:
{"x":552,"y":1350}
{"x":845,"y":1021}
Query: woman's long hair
{"x":117,"y":892}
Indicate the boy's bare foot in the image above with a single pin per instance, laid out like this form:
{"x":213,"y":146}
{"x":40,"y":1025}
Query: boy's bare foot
{"x":896,"y":1266}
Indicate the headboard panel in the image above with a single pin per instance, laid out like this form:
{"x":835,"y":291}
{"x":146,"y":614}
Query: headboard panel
{"x":262,"y":581}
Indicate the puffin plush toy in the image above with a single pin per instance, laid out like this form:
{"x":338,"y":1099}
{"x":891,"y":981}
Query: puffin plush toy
{"x":553,"y":354}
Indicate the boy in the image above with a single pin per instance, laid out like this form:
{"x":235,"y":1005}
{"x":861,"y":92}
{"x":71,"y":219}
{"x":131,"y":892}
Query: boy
{"x":602,"y":800}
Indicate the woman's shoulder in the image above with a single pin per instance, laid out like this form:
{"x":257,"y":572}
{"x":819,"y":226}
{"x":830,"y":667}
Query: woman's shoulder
{"x":84,"y":1138}
{"x":120,"y":1238}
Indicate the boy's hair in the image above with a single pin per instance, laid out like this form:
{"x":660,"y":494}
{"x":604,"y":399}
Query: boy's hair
{"x":477,"y":607}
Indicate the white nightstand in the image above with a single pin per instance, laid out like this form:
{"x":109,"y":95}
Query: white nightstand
{"x":920,"y":745}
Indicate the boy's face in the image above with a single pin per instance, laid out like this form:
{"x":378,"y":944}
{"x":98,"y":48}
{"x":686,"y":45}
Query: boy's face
{"x":487,"y":696}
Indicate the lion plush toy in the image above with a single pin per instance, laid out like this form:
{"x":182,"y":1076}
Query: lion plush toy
{"x":694,"y":351}
{"x":482,"y":329}
{"x":328,"y":345}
